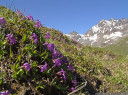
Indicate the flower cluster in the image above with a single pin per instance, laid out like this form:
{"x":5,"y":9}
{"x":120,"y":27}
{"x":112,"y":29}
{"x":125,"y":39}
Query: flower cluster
{"x":5,"y":93}
{"x":38,"y":24}
{"x":43,"y":67}
{"x":48,"y":35}
{"x":62,"y":74}
{"x":11,"y":38}
{"x":19,"y":13}
{"x":30,"y":17}
{"x":60,"y":65}
{"x":74,"y":84}
{"x":58,"y":60}
{"x":70,"y":68}
{"x":49,"y":46}
{"x":26,"y":66}
{"x":2,"y":21}
{"x":34,"y":37}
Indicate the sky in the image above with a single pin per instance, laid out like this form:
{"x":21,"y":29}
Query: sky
{"x":70,"y":15}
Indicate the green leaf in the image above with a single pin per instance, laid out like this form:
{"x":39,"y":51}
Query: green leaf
{"x":18,"y":65}
{"x":11,"y":53}
{"x":13,"y":67}
{"x":42,"y":54}
{"x":46,"y":56}
{"x":24,"y":38}
{"x":35,"y":52}
{"x":37,"y":87}
{"x":1,"y":81}
{"x":34,"y":64}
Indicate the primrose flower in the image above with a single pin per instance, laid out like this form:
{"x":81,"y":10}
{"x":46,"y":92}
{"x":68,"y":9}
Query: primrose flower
{"x":70,"y":68}
{"x":50,"y":46}
{"x":57,"y":62}
{"x":60,"y":34}
{"x":72,"y":88}
{"x":38,"y":24}
{"x":43,"y":67}
{"x":30,"y":17}
{"x":63,"y":40}
{"x":24,"y":18}
{"x":26,"y":66}
{"x":11,"y":38}
{"x":62,"y":73}
{"x":34,"y":37}
{"x":55,"y":38}
{"x":55,"y":54}
{"x":5,"y":93}
{"x":64,"y":59}
{"x":78,"y":45}
{"x":2,"y":21}
{"x":74,"y":83}
{"x":19,"y":13}
{"x":48,"y":35}
{"x":74,"y":41}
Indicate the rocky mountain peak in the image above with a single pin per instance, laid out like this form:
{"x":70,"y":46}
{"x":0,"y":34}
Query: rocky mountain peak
{"x":103,"y":33}
{"x":73,"y":33}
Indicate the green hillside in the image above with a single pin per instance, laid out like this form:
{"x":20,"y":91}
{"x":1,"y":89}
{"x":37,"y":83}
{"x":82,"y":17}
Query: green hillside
{"x":120,"y":47}
{"x":41,"y":60}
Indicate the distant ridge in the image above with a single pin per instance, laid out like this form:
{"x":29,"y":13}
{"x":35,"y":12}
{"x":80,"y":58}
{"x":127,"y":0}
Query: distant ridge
{"x":104,"y":33}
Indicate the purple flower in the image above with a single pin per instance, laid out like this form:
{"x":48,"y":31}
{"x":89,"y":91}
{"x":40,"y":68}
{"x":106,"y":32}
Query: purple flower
{"x":30,"y":17}
{"x":62,"y":73}
{"x":78,"y":45}
{"x":38,"y":24}
{"x":43,"y":67}
{"x":55,"y":54}
{"x":63,"y":40}
{"x":11,"y":38}
{"x":2,"y":21}
{"x":0,"y":26}
{"x":70,"y":68}
{"x":57,"y":62}
{"x":26,"y":66}
{"x":74,"y":83}
{"x":60,"y":34}
{"x":74,"y":41}
{"x":34,"y":37}
{"x":19,"y":13}
{"x":5,"y":93}
{"x":24,"y":18}
{"x":64,"y":59}
{"x":48,"y":35}
{"x":50,"y":46}
{"x":55,"y":38}
{"x":72,"y":88}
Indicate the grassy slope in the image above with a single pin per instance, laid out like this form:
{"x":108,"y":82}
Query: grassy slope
{"x":120,"y":47}
{"x":102,"y":68}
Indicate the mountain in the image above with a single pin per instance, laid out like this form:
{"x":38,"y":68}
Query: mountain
{"x":104,"y":33}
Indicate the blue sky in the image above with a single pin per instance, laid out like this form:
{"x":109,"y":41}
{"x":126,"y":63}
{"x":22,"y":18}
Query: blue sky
{"x":69,"y":15}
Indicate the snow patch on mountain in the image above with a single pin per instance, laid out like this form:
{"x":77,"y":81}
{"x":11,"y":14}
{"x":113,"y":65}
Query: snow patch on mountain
{"x":93,"y":38}
{"x":113,"y":35}
{"x":95,"y":28}
{"x":107,"y":41}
